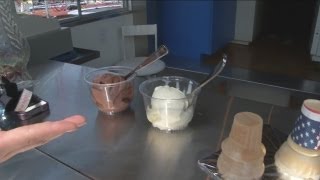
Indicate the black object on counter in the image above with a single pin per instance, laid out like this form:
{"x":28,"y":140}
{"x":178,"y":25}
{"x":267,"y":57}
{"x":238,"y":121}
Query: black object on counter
{"x":10,"y":87}
{"x":35,"y":112}
{"x":77,"y":56}
{"x":13,"y":120}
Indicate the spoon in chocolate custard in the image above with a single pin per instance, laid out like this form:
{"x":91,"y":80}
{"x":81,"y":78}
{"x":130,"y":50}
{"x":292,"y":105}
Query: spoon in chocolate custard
{"x":159,"y":53}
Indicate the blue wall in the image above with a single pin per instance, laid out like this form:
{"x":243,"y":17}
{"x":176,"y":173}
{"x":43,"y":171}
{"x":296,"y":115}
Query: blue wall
{"x":224,"y":15}
{"x":191,"y":28}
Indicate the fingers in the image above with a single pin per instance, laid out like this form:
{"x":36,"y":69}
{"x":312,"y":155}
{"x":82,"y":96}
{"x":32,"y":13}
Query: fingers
{"x":28,"y":137}
{"x":41,"y":133}
{"x":76,"y":119}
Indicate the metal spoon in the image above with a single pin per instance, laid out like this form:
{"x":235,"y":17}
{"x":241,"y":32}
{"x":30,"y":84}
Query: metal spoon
{"x":217,"y":70}
{"x":159,"y":53}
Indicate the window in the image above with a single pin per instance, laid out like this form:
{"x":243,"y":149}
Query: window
{"x":71,"y":10}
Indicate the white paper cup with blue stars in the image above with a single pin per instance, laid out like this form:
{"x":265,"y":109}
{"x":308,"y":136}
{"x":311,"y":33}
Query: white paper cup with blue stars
{"x":299,"y":156}
{"x":306,"y":131}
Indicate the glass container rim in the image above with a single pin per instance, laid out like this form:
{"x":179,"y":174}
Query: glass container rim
{"x":86,"y":77}
{"x":188,"y":96}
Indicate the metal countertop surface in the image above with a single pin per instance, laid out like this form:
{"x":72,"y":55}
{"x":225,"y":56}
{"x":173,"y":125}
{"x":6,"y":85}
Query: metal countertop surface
{"x":126,"y":146}
{"x":35,"y":165}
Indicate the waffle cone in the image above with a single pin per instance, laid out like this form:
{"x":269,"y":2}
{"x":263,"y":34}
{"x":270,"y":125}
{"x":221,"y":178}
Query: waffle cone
{"x":293,"y":163}
{"x":247,"y":130}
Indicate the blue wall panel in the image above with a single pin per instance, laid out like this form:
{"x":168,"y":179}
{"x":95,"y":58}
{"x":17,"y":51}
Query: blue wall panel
{"x":190,"y":28}
{"x":185,"y":27}
{"x":224,"y":13}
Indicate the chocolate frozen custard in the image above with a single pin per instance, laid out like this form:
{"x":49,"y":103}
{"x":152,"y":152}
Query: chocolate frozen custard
{"x":111,"y":93}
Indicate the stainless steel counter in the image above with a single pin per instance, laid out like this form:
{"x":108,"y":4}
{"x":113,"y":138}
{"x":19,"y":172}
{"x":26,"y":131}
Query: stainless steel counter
{"x":37,"y":166}
{"x":246,"y":75}
{"x":126,"y":146}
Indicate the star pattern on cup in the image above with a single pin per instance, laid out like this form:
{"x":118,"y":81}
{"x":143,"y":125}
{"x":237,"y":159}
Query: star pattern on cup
{"x":305,"y":132}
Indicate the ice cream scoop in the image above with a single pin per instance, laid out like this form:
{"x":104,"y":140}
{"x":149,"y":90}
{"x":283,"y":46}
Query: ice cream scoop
{"x":167,"y":106}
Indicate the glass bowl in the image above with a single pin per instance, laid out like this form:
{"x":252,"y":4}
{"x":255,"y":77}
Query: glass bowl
{"x":168,"y":101}
{"x":109,"y":91}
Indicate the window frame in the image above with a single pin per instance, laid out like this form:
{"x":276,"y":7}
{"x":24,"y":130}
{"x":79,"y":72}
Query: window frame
{"x":87,"y":18}
{"x":83,"y":19}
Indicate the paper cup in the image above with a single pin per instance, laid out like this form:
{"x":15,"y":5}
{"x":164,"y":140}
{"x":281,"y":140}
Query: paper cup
{"x":306,"y":131}
{"x":299,"y":156}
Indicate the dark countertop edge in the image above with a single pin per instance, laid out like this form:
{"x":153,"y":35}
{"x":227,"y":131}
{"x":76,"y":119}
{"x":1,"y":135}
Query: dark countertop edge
{"x":241,"y":74}
{"x":85,"y":55}
{"x":91,"y":55}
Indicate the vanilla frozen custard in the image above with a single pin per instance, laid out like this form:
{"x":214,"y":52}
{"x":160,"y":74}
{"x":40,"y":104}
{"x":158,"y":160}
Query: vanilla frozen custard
{"x":169,"y":109}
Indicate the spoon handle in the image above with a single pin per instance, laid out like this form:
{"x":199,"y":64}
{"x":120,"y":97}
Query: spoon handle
{"x":217,"y":70}
{"x":159,"y":53}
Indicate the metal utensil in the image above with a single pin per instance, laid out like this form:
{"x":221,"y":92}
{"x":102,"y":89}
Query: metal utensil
{"x":159,"y":53}
{"x":217,"y":70}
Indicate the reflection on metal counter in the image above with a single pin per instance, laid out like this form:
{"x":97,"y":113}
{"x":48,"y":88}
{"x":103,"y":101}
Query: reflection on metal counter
{"x":129,"y":147}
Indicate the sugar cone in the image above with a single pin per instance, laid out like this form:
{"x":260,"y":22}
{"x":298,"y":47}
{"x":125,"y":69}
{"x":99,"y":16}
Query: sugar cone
{"x":247,"y":130}
{"x":295,"y":164}
{"x":241,"y":169}
{"x":242,"y":152}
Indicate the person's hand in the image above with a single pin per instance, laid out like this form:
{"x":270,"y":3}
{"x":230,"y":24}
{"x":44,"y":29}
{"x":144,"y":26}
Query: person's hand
{"x":27,"y":137}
